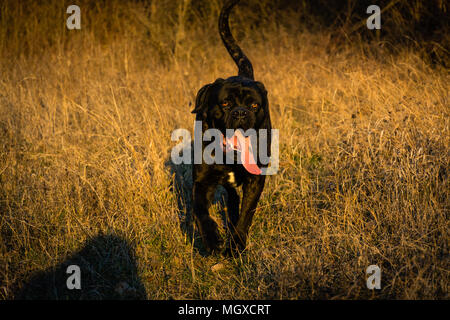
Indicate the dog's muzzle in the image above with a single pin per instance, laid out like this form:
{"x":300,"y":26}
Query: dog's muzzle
{"x":241,"y":118}
{"x":239,"y":114}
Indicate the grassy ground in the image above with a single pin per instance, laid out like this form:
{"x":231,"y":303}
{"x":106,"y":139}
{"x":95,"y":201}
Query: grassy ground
{"x":85,"y":124}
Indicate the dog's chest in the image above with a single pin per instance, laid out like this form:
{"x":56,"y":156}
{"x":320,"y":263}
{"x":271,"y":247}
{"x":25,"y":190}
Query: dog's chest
{"x":232,"y":179}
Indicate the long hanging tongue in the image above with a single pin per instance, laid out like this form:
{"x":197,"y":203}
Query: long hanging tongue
{"x":244,"y":146}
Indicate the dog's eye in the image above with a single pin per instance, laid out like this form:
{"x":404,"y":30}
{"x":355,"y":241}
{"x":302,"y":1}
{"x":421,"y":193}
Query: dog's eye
{"x":254,"y":105}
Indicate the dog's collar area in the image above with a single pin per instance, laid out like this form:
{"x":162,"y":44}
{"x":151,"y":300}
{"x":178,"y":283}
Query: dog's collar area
{"x":238,"y":142}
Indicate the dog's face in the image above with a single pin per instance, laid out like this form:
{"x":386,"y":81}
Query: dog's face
{"x":233,"y":103}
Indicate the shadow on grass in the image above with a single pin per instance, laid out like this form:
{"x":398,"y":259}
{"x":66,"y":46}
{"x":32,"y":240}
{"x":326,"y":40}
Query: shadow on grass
{"x":182,"y":185}
{"x":108,"y":271}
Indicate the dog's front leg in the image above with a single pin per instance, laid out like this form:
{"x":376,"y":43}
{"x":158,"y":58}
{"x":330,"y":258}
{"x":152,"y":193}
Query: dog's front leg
{"x":252,"y":189}
{"x":202,"y":194}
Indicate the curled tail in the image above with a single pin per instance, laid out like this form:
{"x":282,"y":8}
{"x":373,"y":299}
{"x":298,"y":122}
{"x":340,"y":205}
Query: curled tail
{"x":244,"y":65}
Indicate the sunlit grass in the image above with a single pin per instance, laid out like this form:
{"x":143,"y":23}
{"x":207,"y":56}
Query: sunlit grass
{"x":85,"y":131}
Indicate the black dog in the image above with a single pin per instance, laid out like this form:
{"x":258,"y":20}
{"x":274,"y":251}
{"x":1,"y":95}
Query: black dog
{"x":238,"y":102}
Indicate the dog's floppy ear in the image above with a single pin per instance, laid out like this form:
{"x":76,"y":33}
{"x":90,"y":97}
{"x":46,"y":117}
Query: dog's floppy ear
{"x":262,"y":88}
{"x":266,"y":123}
{"x":263,"y":92}
{"x":203,"y":97}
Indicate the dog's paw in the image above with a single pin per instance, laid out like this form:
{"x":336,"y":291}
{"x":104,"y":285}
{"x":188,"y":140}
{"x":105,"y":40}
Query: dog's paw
{"x":213,"y":242}
{"x":233,"y":248}
{"x":228,"y":252}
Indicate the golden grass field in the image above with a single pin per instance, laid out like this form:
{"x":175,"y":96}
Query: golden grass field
{"x":85,"y":123}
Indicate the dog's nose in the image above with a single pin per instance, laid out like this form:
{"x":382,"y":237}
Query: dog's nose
{"x":240,"y":113}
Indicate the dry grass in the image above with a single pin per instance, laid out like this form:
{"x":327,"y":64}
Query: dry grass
{"x":85,"y":124}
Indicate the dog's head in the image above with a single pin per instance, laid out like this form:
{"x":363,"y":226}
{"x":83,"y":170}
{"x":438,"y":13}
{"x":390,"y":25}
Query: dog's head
{"x":233,"y":103}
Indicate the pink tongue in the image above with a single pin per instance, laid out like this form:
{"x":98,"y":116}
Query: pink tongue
{"x":247,"y":158}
